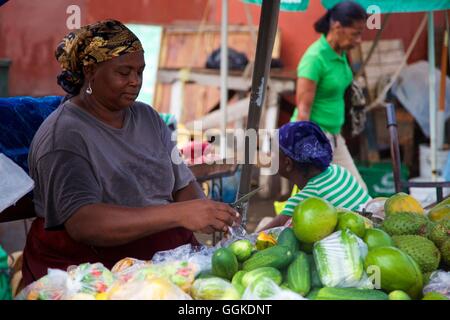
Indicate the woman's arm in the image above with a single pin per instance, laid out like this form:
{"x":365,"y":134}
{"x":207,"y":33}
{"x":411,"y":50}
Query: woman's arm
{"x":190,"y":192}
{"x":278,"y":221}
{"x":305,"y":93}
{"x":107,"y":225}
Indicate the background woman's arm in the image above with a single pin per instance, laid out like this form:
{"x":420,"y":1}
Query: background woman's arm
{"x":305,"y":93}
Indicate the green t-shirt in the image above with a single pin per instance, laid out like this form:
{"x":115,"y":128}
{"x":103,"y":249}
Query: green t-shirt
{"x":333,"y":75}
{"x":336,"y":185}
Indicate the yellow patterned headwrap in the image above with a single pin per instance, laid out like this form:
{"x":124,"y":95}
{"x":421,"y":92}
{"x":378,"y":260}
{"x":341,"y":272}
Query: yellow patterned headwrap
{"x":92,"y":44}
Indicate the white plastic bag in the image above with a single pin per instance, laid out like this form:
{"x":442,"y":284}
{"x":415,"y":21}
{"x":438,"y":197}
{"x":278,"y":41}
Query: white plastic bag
{"x":340,"y":260}
{"x":267,"y":289}
{"x":15,"y":183}
{"x":439,"y":282}
{"x":88,"y":279}
{"x":197,"y":255}
{"x":53,"y":286}
{"x":148,"y":288}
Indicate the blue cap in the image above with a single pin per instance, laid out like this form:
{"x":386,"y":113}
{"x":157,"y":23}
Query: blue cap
{"x":305,"y":142}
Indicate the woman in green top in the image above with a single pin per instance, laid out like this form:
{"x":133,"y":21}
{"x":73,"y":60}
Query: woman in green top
{"x":324,"y":75}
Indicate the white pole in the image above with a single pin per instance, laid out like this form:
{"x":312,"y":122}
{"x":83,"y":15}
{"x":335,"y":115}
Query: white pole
{"x":432,"y":95}
{"x":224,"y":77}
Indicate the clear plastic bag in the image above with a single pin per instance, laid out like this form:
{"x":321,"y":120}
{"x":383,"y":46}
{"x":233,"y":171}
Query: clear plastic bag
{"x":267,"y":289}
{"x":439,"y":282}
{"x":147,"y":288}
{"x":126,"y":268}
{"x":340,"y":260}
{"x":53,"y":286}
{"x":200,"y":256}
{"x":214,"y":289}
{"x":88,"y":279}
{"x":181,"y":273}
{"x":234,"y":236}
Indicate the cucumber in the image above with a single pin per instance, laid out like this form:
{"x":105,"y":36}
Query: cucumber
{"x":205,"y":274}
{"x":253,"y":276}
{"x":237,"y":281}
{"x":224,"y":263}
{"x":242,"y":249}
{"x":329,"y":293}
{"x":287,"y":238}
{"x":277,"y":257}
{"x":285,"y":285}
{"x":315,"y":279}
{"x":312,"y":295}
{"x":299,"y":275}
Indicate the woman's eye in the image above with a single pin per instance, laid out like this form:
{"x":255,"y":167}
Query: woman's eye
{"x":124,"y":73}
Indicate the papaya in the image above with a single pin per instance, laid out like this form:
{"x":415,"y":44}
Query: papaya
{"x":439,"y":212}
{"x":402,"y":202}
{"x":395,"y":270}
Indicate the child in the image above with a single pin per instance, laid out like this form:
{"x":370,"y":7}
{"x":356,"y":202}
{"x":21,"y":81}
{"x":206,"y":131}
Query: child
{"x":305,"y":157}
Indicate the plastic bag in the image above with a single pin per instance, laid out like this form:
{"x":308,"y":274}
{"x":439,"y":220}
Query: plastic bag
{"x":15,"y":182}
{"x":89,"y":279}
{"x":214,"y":289}
{"x":126,"y":268}
{"x":148,"y":288}
{"x":267,"y":289}
{"x":197,"y":255}
{"x":340,"y":260}
{"x":181,"y":273}
{"x":53,"y":286}
{"x":439,"y":282}
{"x":234,"y":236}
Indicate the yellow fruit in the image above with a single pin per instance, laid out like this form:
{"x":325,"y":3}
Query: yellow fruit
{"x":402,"y":202}
{"x":439,"y":213}
{"x":101,"y":296}
{"x":265,"y":241}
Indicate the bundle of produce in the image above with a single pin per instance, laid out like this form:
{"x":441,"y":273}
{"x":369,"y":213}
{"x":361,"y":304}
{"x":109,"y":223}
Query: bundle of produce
{"x":147,"y":288}
{"x":53,"y":286}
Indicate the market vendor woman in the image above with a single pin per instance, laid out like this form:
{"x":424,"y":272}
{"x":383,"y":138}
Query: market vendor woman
{"x":108,"y":183}
{"x":324,"y":75}
{"x":305,"y":160}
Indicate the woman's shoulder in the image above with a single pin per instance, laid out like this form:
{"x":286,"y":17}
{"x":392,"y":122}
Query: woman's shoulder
{"x":315,"y":51}
{"x":144,"y":109}
{"x":59,"y":131}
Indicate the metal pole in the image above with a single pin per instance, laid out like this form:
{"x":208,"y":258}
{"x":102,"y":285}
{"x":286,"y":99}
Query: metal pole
{"x":224,"y":77}
{"x":266,"y":38}
{"x":432,"y":94}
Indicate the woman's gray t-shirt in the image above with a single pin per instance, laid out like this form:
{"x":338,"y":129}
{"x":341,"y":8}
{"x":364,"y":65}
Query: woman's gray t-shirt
{"x":75,"y":160}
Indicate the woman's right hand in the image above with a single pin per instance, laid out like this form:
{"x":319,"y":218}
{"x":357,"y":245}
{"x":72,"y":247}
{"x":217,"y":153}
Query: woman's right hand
{"x":206,"y":216}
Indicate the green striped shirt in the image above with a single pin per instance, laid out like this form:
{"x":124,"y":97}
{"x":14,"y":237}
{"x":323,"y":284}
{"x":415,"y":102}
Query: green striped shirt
{"x":336,"y":185}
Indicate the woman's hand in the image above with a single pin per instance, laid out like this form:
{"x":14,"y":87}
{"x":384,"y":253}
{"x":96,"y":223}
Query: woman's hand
{"x":206,"y":216}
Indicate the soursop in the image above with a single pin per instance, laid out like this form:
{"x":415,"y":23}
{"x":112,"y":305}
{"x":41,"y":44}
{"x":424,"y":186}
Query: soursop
{"x":422,"y":250}
{"x":405,"y":224}
{"x":438,"y":234}
{"x":445,"y":251}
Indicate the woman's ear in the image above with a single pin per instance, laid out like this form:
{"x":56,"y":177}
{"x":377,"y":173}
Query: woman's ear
{"x":288,"y":164}
{"x":89,"y":71}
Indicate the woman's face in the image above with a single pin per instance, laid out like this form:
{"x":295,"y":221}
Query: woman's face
{"x":348,"y":37}
{"x":286,"y":166}
{"x":116,"y":83}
